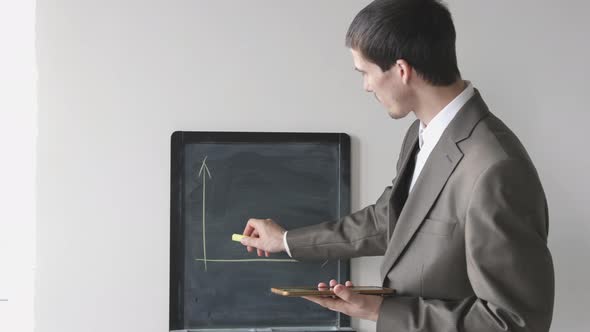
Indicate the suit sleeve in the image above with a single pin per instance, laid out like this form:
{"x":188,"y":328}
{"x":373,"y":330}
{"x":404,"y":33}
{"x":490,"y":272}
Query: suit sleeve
{"x":508,"y":263}
{"x":363,"y":233}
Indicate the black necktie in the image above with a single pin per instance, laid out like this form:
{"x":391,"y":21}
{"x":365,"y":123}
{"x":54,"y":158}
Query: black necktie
{"x":402,"y":191}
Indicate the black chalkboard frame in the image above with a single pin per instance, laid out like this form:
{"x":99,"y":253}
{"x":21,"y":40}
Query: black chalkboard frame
{"x":177,"y":227}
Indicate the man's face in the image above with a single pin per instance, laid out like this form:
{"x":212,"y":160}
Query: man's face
{"x":388,"y":86}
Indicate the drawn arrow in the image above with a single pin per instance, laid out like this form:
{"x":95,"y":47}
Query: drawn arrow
{"x":204,"y":169}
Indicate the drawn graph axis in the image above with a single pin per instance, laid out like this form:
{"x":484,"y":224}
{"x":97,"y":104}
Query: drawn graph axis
{"x":204,"y":171}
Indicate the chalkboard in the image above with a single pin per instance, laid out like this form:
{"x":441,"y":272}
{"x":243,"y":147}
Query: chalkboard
{"x":221,"y":179}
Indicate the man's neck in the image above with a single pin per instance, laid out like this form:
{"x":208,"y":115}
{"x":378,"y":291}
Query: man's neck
{"x":433,"y":99}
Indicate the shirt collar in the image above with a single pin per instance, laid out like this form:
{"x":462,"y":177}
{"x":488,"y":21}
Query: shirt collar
{"x":430,"y":134}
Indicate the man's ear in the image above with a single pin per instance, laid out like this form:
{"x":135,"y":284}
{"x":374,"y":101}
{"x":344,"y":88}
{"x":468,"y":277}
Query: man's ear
{"x":404,"y":70}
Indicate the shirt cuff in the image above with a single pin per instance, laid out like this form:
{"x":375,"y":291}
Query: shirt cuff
{"x":286,"y":245}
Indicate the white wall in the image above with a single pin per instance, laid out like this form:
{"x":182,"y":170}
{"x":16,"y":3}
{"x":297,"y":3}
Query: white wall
{"x":18,"y":125}
{"x":118,"y":77}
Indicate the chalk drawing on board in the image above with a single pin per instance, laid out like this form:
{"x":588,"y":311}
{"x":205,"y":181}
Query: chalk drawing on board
{"x":205,"y":168}
{"x":204,"y":171}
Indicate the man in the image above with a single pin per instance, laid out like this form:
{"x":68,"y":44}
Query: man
{"x":463,"y":227}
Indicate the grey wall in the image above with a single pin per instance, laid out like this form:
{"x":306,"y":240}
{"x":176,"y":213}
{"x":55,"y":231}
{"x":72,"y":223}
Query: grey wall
{"x":117,"y":77}
{"x":529,"y":58}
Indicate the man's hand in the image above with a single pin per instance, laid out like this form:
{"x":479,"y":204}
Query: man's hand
{"x":264,"y":235}
{"x":348,"y":302}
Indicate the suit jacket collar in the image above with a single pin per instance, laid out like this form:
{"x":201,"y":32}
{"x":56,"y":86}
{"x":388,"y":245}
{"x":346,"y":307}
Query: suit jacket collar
{"x":441,"y":163}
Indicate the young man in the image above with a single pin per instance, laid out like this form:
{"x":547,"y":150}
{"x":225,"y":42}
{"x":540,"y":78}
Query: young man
{"x":463,"y":227}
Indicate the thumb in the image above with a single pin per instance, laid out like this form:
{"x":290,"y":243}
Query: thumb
{"x":250,"y":241}
{"x":348,"y":295}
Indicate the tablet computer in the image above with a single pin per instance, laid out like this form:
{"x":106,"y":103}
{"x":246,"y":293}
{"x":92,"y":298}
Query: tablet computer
{"x":309,"y":291}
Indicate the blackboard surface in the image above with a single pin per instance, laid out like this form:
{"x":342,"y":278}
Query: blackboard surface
{"x":221,"y":179}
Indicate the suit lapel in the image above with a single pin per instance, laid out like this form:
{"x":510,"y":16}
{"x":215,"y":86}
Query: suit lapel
{"x":439,"y":166}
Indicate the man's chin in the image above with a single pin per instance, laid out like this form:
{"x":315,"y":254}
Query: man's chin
{"x":396,"y":115}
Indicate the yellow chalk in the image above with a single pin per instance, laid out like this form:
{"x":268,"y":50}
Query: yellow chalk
{"x":237,"y":237}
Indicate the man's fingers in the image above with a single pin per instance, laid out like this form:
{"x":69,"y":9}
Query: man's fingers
{"x":255,"y":234}
{"x":250,"y":227}
{"x":250,"y":242}
{"x":347,"y":295}
{"x":252,"y":233}
{"x":333,"y":283}
{"x":327,"y":302}
{"x":248,"y":232}
{"x":334,"y":304}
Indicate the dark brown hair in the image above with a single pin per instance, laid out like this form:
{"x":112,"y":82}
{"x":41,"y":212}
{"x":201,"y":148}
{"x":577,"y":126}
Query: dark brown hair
{"x":420,"y":32}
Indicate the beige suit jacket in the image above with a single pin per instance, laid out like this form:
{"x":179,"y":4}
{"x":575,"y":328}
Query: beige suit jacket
{"x":468,"y":249}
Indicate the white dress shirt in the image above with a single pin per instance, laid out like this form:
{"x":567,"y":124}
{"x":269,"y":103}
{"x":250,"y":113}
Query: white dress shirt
{"x":286,"y":245}
{"x":429,"y":135}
